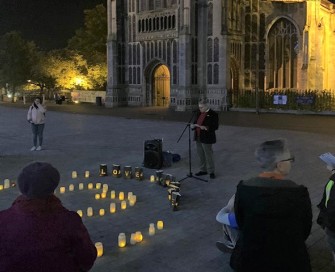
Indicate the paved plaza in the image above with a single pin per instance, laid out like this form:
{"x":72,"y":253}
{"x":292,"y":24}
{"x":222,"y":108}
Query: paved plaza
{"x":80,"y":138}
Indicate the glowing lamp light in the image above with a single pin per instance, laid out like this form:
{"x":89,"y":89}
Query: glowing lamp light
{"x":112,"y":194}
{"x":127,"y":172}
{"x":1,"y":187}
{"x":103,"y":195}
{"x":129,"y":195}
{"x":97,"y":196}
{"x":74,"y":174}
{"x":123,"y":205}
{"x":98,"y":186}
{"x":71,"y":187}
{"x":90,"y":186}
{"x":121,"y":196}
{"x":81,"y":186}
{"x":89,"y":211}
{"x":6,"y":184}
{"x":80,"y":212}
{"x":102,"y":212}
{"x":138,"y":236}
{"x":87,"y":174}
{"x":62,"y":190}
{"x":132,"y":200}
{"x":152,"y":229}
{"x":160,"y":224}
{"x":133,"y":239}
{"x":100,"y":249}
{"x":112,"y":208}
{"x":103,"y":170}
{"x":139,"y":173}
{"x":122,"y":240}
{"x":116,"y":171}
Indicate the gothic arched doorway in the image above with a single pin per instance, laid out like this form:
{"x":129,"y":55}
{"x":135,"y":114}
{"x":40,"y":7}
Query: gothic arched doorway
{"x":161,"y":86}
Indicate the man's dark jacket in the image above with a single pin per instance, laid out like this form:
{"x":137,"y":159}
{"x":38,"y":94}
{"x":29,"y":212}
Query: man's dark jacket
{"x":275,"y":219}
{"x":211,"y":121}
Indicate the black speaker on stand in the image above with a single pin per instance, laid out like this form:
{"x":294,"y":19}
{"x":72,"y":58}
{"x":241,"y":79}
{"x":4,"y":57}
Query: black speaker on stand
{"x":153,"y":154}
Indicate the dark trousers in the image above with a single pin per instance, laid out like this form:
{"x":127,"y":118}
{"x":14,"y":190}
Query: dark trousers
{"x":37,"y":132}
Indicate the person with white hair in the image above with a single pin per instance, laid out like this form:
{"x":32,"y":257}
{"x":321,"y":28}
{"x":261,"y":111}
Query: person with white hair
{"x":205,"y":125}
{"x":274,"y":216}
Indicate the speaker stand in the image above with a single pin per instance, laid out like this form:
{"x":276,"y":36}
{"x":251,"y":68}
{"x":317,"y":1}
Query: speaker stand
{"x":189,"y":175}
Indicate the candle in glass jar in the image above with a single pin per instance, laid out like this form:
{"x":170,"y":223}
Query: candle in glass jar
{"x":81,"y":186}
{"x":71,"y":187}
{"x":121,"y":196}
{"x":90,"y":186}
{"x":133,"y":239}
{"x":103,"y":195}
{"x":6,"y":184}
{"x":97,"y":196}
{"x":98,"y":185}
{"x":160,"y":225}
{"x":112,"y":208}
{"x":62,"y":190}
{"x":102,"y":212}
{"x":152,"y":178}
{"x":112,"y":194}
{"x":87,"y":174}
{"x":122,"y":240}
{"x":80,"y":212}
{"x":132,"y":200}
{"x":151,"y":229}
{"x":123,"y":205}
{"x":100,"y":249}
{"x":89,"y":211}
{"x":138,"y":236}
{"x":105,"y":187}
{"x":129,"y":195}
{"x":74,"y":174}
{"x":1,"y":187}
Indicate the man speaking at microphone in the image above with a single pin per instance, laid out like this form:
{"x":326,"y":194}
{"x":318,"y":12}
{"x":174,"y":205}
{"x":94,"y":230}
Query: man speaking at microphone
{"x":204,"y":127}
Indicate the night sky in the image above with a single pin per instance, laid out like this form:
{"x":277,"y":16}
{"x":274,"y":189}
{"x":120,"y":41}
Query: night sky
{"x":49,"y":23}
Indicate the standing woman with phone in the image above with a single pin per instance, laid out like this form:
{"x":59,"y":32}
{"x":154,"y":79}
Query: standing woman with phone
{"x":36,"y":116}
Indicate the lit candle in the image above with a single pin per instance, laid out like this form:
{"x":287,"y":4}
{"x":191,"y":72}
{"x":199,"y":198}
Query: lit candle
{"x":132,"y":200}
{"x":1,"y":187}
{"x":123,"y":205}
{"x":90,"y":186}
{"x":129,"y":195}
{"x":98,"y":185}
{"x":62,"y":190}
{"x":103,"y":195}
{"x":138,"y":236}
{"x":121,"y":196}
{"x":74,"y":174}
{"x":89,"y":211}
{"x":133,"y":239}
{"x":152,"y":178}
{"x":71,"y":187}
{"x":80,"y":212}
{"x":100,"y":248}
{"x":87,"y":174}
{"x":6,"y":184}
{"x":112,"y":208}
{"x":112,"y":194}
{"x":160,"y":225}
{"x":122,"y":240}
{"x":151,"y":229}
{"x":97,"y":196}
{"x":102,"y":212}
{"x":105,"y":187}
{"x":81,"y":186}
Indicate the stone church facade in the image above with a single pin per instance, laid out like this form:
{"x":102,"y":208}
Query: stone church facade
{"x":170,"y":53}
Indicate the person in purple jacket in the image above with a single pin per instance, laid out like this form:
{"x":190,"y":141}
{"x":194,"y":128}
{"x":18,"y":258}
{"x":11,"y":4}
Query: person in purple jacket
{"x":37,"y":233}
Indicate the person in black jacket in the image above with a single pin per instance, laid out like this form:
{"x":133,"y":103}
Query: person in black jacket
{"x":326,"y":218}
{"x":206,"y":123}
{"x":274,"y":216}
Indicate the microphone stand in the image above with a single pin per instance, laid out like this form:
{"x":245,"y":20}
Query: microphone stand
{"x":189,"y":175}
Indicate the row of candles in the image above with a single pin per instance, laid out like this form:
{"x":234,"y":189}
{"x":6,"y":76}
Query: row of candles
{"x":135,"y":237}
{"x":6,"y":184}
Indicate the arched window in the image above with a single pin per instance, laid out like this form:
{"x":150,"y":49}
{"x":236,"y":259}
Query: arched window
{"x":282,"y":39}
{"x":216,"y":74}
{"x":138,"y":54}
{"x":216,"y":49}
{"x":209,"y":74}
{"x":209,"y":50}
{"x":138,"y":75}
{"x":130,"y":54}
{"x":130,"y":75}
{"x":175,"y":52}
{"x":210,"y":20}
